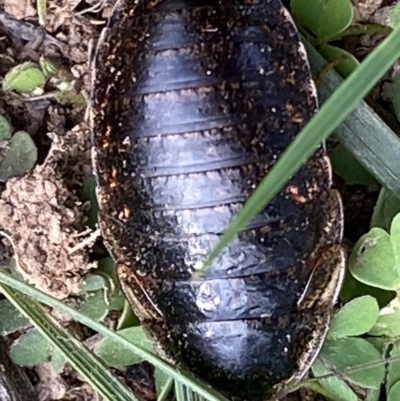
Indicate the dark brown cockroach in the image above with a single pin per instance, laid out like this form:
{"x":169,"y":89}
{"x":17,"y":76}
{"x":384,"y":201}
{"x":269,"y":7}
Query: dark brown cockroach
{"x":192,"y":103}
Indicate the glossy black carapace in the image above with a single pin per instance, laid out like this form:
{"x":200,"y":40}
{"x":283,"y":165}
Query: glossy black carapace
{"x":193,"y":101}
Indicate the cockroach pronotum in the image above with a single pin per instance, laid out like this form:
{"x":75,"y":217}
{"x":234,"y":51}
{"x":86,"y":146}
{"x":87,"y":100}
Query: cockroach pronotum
{"x":192,"y":103}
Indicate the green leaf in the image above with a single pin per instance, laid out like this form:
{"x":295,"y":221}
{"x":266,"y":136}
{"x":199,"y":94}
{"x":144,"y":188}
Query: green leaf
{"x":117,"y":301}
{"x":394,"y":393}
{"x":30,"y":349}
{"x":388,"y":323}
{"x":95,"y":306}
{"x":333,"y":53}
{"x":355,"y":318}
{"x":396,"y":95}
{"x":353,"y":288}
{"x":335,"y":388}
{"x":93,"y":282}
{"x":19,"y":158}
{"x":5,"y":128}
{"x":379,"y":343}
{"x":393,"y":368}
{"x":346,"y":166}
{"x":375,"y":259}
{"x":11,"y":320}
{"x":373,"y":394}
{"x":115,"y":295}
{"x":118,"y":356}
{"x":386,"y":208}
{"x":58,"y":360}
{"x":128,"y":318}
{"x":24,"y":78}
{"x":352,"y":351}
{"x":89,"y":195}
{"x":107,"y":266}
{"x":324,"y":18}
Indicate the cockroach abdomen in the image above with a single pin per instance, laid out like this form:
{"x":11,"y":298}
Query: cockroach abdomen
{"x":193,"y":101}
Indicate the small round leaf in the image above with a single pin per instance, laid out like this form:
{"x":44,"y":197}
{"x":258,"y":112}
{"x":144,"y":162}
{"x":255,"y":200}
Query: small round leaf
{"x":58,"y":360}
{"x":386,"y":208}
{"x":353,"y":288}
{"x":24,"y":78}
{"x":324,"y":18}
{"x":388,"y":323}
{"x":93,"y":282}
{"x":19,"y":158}
{"x":373,"y":260}
{"x":355,"y":318}
{"x":394,"y":392}
{"x":335,"y":388}
{"x":30,"y":349}
{"x":352,"y":351}
{"x":95,"y":306}
{"x":373,"y":394}
{"x":118,"y":356}
{"x":393,"y":368}
{"x":117,"y":301}
{"x":11,"y":319}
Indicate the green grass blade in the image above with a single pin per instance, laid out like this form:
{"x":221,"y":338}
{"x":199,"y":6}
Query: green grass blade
{"x":183,"y":377}
{"x":363,"y":133}
{"x":332,"y":114}
{"x":82,"y":360}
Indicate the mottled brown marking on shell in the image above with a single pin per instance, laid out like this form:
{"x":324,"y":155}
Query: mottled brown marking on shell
{"x":193,"y":102}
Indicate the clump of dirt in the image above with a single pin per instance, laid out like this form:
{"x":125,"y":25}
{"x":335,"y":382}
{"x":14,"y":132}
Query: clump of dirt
{"x":42,"y":212}
{"x":363,"y":9}
{"x":45,"y":218}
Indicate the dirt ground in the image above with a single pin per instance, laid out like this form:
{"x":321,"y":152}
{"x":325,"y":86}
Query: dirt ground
{"x":43,"y":211}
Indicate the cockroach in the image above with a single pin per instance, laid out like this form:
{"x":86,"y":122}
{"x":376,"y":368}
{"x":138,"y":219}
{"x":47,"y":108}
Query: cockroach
{"x":192,"y":103}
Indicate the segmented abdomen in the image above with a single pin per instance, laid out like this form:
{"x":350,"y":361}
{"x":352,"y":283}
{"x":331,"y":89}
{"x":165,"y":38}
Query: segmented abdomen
{"x":193,"y":102}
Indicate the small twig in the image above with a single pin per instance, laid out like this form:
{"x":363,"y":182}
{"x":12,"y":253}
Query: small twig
{"x":10,"y":239}
{"x":86,"y":242}
{"x":94,"y":9}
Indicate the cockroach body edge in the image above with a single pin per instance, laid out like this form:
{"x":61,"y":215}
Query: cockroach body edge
{"x":193,"y":101}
